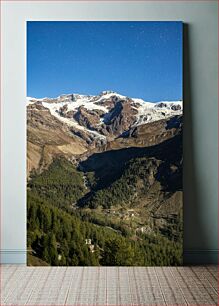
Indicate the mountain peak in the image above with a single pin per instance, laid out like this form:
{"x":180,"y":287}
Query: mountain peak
{"x":106,"y":115}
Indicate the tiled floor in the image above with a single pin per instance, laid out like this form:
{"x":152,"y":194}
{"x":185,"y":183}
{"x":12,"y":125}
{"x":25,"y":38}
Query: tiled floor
{"x":23,"y":285}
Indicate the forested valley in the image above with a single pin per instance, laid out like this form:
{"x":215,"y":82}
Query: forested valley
{"x":72,"y":219}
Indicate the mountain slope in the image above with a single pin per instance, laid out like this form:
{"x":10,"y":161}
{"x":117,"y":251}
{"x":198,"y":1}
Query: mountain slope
{"x":74,"y":125}
{"x":48,"y":137}
{"x":145,"y":182}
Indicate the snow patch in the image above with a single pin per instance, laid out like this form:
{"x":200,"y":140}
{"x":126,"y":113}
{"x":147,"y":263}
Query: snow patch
{"x":150,"y":112}
{"x":54,"y":110}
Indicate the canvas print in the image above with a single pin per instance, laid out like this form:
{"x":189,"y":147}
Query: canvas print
{"x":104,"y":143}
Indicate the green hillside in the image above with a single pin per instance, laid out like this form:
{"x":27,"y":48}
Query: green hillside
{"x":61,"y":183}
{"x":106,"y":229}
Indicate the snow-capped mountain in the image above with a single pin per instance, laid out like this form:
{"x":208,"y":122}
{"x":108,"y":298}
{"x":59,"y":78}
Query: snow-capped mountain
{"x":107,"y":113}
{"x":76,"y":125}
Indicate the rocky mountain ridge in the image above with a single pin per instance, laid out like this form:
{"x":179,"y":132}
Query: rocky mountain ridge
{"x":73,"y":125}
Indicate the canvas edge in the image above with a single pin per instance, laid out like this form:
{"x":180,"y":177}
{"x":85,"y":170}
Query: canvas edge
{"x":190,"y":257}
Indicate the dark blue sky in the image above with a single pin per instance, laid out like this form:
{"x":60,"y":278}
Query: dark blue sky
{"x":137,"y":59}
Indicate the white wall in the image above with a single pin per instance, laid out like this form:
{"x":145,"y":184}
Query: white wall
{"x":200,"y":101}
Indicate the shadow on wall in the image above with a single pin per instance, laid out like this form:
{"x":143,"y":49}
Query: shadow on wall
{"x":194,"y":231}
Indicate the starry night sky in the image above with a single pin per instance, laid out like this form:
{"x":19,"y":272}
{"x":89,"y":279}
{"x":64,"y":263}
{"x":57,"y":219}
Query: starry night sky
{"x":136,"y":59}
